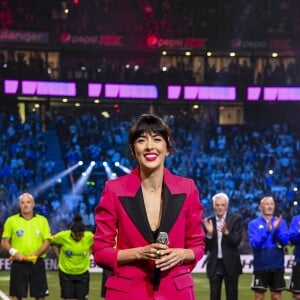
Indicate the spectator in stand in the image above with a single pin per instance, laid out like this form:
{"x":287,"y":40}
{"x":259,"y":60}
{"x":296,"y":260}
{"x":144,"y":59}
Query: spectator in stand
{"x":26,"y":237}
{"x":268,"y":236}
{"x":223,"y":237}
{"x":144,"y":203}
{"x":294,"y":234}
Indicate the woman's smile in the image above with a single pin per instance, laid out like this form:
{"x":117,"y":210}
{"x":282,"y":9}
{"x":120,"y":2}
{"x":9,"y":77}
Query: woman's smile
{"x":150,"y":156}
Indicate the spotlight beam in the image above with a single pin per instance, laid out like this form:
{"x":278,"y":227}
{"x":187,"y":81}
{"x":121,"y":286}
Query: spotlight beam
{"x":77,"y":189}
{"x":43,"y":186}
{"x":123,"y":168}
{"x":108,"y":170}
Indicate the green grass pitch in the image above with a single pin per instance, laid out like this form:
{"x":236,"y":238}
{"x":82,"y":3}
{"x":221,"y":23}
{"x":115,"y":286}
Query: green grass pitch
{"x":201,"y":286}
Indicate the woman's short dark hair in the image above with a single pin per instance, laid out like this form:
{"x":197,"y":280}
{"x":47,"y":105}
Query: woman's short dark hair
{"x":147,"y":123}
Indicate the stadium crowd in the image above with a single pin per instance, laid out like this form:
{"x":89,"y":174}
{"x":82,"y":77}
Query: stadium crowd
{"x":217,"y":19}
{"x":244,"y":161}
{"x":171,"y":18}
{"x":241,"y":74}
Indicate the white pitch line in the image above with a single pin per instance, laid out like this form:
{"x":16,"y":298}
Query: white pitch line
{"x":3,"y":296}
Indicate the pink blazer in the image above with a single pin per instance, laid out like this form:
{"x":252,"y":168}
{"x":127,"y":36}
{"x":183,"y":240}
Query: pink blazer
{"x":121,"y":212}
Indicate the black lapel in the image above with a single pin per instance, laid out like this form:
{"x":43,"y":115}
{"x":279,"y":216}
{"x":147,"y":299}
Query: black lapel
{"x":172,"y":204}
{"x":135,"y":209}
{"x":228,"y":221}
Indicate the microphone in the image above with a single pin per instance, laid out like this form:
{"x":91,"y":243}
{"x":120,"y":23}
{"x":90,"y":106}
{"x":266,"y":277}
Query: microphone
{"x":162,"y":238}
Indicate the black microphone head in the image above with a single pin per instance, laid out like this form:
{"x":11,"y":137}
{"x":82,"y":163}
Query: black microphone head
{"x":162,"y":238}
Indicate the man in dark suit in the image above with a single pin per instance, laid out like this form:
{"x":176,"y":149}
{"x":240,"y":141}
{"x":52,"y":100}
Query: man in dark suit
{"x":223,"y":237}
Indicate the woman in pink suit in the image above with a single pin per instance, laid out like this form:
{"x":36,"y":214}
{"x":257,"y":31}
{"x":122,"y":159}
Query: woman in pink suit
{"x":135,"y":208}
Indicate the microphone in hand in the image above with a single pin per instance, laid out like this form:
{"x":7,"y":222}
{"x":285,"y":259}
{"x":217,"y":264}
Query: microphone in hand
{"x":162,"y":238}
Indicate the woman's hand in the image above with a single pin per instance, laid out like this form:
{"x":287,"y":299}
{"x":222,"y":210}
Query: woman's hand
{"x":152,"y":251}
{"x":169,"y":258}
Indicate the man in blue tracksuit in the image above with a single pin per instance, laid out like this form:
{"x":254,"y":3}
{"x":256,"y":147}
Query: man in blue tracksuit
{"x":294,"y":233}
{"x":268,"y":235}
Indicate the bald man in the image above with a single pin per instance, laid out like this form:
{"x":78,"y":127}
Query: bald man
{"x":268,"y":235}
{"x":26,"y":237}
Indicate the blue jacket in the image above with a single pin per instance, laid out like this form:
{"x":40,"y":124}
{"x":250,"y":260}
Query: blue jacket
{"x":268,"y":246}
{"x":294,"y":233}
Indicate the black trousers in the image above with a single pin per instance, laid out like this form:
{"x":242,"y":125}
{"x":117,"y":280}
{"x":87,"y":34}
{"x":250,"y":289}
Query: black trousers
{"x":215,"y":282}
{"x":105,"y":275}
